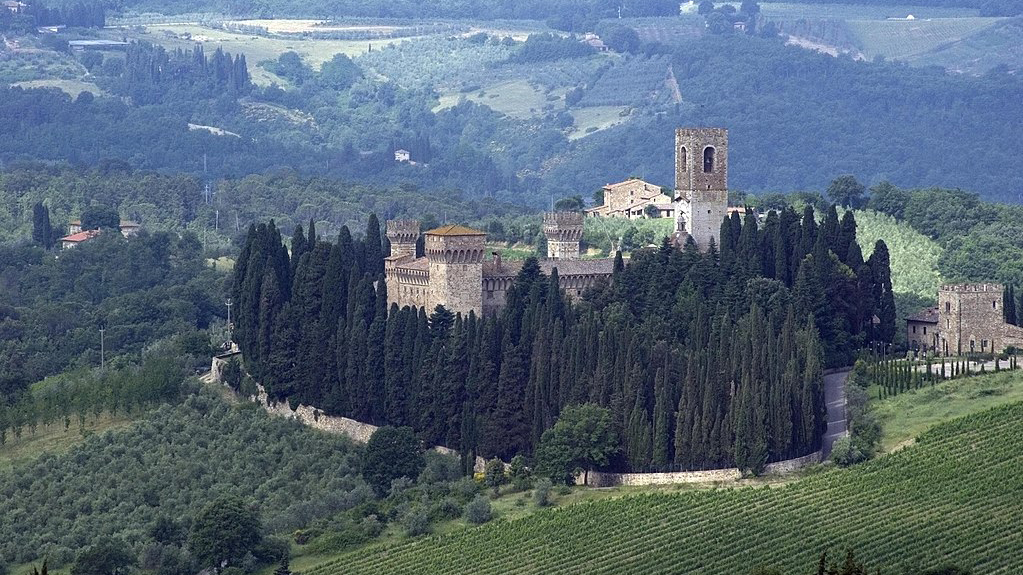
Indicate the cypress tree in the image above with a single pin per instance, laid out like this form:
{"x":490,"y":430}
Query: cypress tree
{"x":374,"y":247}
{"x":42,"y":231}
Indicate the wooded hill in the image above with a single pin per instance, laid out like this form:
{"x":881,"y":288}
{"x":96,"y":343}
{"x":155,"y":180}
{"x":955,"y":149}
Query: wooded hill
{"x":705,"y":360}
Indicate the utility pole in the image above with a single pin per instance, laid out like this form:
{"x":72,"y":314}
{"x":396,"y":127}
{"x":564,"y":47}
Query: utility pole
{"x":102,"y":347}
{"x":230,"y":343}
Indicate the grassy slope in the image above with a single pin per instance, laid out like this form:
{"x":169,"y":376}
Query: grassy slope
{"x":952,"y":497}
{"x":54,"y":439}
{"x":914,"y":256}
{"x":907,"y":415}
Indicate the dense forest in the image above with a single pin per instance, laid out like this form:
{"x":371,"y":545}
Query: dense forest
{"x":979,"y":238}
{"x":704,"y":360}
{"x":224,"y":210}
{"x":138,"y":289}
{"x":344,"y":123}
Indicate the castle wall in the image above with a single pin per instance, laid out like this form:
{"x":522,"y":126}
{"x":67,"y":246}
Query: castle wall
{"x":604,"y":479}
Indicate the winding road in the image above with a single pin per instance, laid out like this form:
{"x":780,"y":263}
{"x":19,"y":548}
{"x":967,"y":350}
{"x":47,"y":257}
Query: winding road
{"x":834,"y":397}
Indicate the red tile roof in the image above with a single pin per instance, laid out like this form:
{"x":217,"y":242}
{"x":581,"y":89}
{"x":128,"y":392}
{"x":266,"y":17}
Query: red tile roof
{"x":80,"y":236}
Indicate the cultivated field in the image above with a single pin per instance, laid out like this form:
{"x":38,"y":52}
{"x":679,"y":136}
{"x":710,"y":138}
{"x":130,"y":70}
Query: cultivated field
{"x":914,"y":256}
{"x":904,"y":39}
{"x":954,"y":496}
{"x":71,"y":87}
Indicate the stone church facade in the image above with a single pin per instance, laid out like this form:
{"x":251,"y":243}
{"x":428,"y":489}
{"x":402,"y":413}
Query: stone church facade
{"x":455,"y":271}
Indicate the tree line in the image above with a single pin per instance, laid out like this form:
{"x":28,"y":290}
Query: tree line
{"x":703,"y":359}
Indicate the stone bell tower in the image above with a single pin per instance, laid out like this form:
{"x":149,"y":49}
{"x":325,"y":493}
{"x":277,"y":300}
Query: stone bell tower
{"x":701,"y":183}
{"x":564,"y":231}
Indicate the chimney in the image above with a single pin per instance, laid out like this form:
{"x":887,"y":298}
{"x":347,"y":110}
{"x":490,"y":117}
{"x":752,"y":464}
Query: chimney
{"x":497,"y":259}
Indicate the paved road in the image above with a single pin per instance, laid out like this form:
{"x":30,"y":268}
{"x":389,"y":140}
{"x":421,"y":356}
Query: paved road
{"x":834,"y":396}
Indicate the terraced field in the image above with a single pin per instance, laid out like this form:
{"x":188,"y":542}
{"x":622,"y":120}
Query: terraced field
{"x":954,"y":496}
{"x":904,"y":39}
{"x":914,"y":256}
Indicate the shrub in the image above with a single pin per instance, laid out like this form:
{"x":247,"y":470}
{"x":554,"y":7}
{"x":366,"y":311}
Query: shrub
{"x":494,"y":475}
{"x":417,"y":522}
{"x":391,"y":453}
{"x":478,"y":510}
{"x":542,"y":492}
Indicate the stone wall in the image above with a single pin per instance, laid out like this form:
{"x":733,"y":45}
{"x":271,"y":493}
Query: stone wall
{"x":315,"y":418}
{"x":603,"y":479}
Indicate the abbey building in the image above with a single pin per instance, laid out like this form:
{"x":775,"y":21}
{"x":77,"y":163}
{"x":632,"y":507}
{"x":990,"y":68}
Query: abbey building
{"x":456,"y":271}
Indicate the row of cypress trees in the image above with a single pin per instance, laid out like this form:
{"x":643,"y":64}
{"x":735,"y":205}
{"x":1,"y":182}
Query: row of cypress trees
{"x":705,"y":360}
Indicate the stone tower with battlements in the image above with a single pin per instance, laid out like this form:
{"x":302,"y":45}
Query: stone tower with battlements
{"x":701,"y":183}
{"x":455,"y":255}
{"x":564,"y":231}
{"x":403,"y":235}
{"x":971,"y":320}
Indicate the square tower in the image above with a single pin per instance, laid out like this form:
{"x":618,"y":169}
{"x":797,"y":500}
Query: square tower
{"x":970,"y":317}
{"x":456,"y":268}
{"x":564,"y":231}
{"x":701,"y":183}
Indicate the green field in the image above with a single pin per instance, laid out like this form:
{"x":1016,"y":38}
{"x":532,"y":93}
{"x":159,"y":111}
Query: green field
{"x":517,"y":98}
{"x":952,"y":497}
{"x":914,"y":256}
{"x":1000,"y":44}
{"x":595,"y":118}
{"x":905,"y":39}
{"x":71,"y":87}
{"x":54,"y":438}
{"x":255,"y":48}
{"x":786,"y":10}
{"x":907,"y":415}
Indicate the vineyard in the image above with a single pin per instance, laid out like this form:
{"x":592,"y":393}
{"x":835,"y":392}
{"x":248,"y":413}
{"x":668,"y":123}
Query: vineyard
{"x":954,"y":496}
{"x":631,"y":82}
{"x":901,"y":39}
{"x":914,"y":255}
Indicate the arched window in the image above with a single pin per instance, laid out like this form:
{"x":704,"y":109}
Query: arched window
{"x":683,"y":159}
{"x":708,"y":160}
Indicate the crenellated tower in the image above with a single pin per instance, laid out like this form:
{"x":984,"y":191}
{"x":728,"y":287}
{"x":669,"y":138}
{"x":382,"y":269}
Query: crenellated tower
{"x":564,"y":231}
{"x":455,"y":254}
{"x":701,"y":183}
{"x":403,"y":235}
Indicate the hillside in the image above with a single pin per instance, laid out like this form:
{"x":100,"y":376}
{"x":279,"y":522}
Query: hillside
{"x":914,"y":256}
{"x":951,"y":497}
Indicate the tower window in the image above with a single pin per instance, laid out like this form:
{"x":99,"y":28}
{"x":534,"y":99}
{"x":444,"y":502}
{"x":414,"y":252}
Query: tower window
{"x":708,"y":160}
{"x":994,"y":304}
{"x":683,"y":158}
{"x":948,"y":307}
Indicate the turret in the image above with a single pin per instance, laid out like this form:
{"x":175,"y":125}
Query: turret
{"x":403,"y":235}
{"x":456,"y":268}
{"x":564,"y":231}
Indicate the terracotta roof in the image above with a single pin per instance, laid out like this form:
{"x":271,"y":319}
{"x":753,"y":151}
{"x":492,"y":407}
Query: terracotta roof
{"x":454,"y":230}
{"x":421,"y":264}
{"x":929,"y":315}
{"x":80,"y":236}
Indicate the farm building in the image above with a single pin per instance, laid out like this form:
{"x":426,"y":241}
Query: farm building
{"x":629,"y":199}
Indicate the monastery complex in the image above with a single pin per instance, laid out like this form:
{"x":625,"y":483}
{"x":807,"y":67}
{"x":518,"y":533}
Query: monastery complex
{"x":455,"y":271}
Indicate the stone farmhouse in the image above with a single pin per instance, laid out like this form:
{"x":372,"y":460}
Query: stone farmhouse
{"x":629,"y":199}
{"x":76,"y":235}
{"x":968,"y":319}
{"x":700,"y":198}
{"x":456,"y":272}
